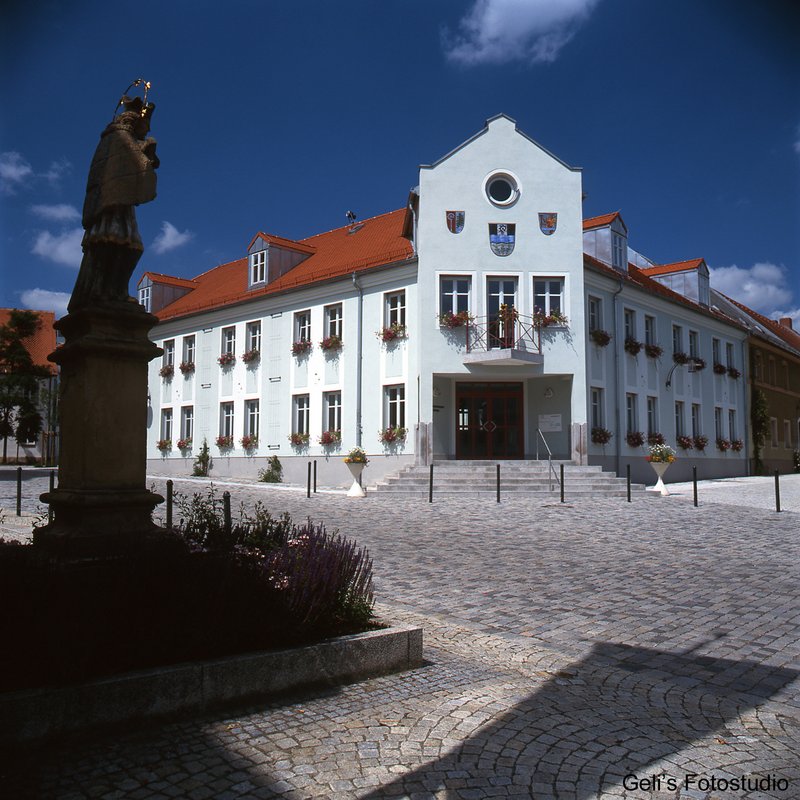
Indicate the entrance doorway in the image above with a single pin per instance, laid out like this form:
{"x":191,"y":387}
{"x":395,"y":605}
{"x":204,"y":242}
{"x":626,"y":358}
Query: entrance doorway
{"x":489,"y":421}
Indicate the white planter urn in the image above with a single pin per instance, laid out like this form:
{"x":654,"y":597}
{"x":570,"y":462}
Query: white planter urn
{"x":660,"y":468}
{"x":356,"y":468}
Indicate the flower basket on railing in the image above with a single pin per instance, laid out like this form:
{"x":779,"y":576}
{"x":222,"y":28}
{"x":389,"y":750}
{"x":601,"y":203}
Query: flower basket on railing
{"x":634,"y":439}
{"x":331,"y":343}
{"x":601,"y":436}
{"x":719,"y":369}
{"x":723,"y":445}
{"x":734,"y":373}
{"x":599,"y":337}
{"x":655,"y":439}
{"x":251,"y":356}
{"x":542,"y":320}
{"x":700,"y":443}
{"x":392,"y":333}
{"x":184,"y":444}
{"x":632,"y":346}
{"x":298,"y":439}
{"x":186,"y":367}
{"x":653,"y":350}
{"x":392,"y":435}
{"x":226,"y":359}
{"x":685,"y":442}
{"x":447,"y":319}
{"x":167,"y":371}
{"x":249,"y":442}
{"x":164,"y":445}
{"x":224,"y":442}
{"x":737,"y":445}
{"x":680,"y":358}
{"x":330,"y":438}
{"x":301,"y":347}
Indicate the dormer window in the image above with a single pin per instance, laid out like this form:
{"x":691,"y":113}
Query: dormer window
{"x":144,"y":297}
{"x":619,"y":255}
{"x":258,"y":267}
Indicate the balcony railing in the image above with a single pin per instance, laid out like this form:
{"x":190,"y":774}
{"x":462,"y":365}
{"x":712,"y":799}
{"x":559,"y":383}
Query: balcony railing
{"x":510,"y":332}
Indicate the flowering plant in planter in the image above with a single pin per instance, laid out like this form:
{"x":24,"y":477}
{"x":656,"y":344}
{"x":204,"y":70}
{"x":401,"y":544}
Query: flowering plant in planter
{"x":251,"y":356}
{"x":356,"y":456}
{"x":601,"y":436}
{"x":167,"y":371}
{"x":734,"y":373}
{"x":333,"y":342}
{"x":700,"y":442}
{"x":661,"y":454}
{"x":184,"y":444}
{"x":448,"y":319}
{"x":632,"y":346}
{"x":699,"y":363}
{"x":224,"y":442}
{"x":680,"y":358}
{"x":655,"y":438}
{"x":599,"y":337}
{"x":723,"y":444}
{"x":719,"y":369}
{"x":301,"y":347}
{"x":226,"y":359}
{"x":391,"y":435}
{"x":298,"y":439}
{"x":653,"y":350}
{"x":392,"y":332}
{"x":737,"y":445}
{"x":164,"y":445}
{"x":685,"y":442}
{"x":330,"y":438}
{"x":634,"y":438}
{"x":249,"y":442}
{"x":545,"y":320}
{"x":186,"y":367}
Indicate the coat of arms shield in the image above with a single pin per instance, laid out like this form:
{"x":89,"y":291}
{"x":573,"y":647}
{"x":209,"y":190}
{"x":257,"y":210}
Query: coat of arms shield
{"x":455,"y":221}
{"x":501,"y":237}
{"x":548,"y":223}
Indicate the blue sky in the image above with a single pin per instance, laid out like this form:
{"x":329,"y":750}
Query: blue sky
{"x":684,"y":115}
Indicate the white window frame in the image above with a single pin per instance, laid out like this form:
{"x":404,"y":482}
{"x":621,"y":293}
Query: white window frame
{"x":618,"y":255}
{"x":631,"y":412}
{"x":258,"y":267}
{"x":729,"y":359}
{"x":598,"y":407}
{"x":732,"y":427}
{"x":301,"y":413}
{"x":716,"y":351}
{"x":629,"y":318}
{"x":252,"y":417}
{"x":544,"y":300}
{"x":228,"y":340}
{"x":694,"y":344}
{"x":332,"y":411}
{"x":697,"y":420}
{"x":652,"y":414}
{"x":333,"y":320}
{"x":650,"y":334}
{"x":394,"y":406}
{"x":253,"y":335}
{"x":166,"y":423}
{"x":677,"y":339}
{"x":226,"y":418}
{"x":595,"y":314}
{"x":395,"y":308}
{"x":145,"y":297}
{"x":452,"y":297}
{"x":187,"y":422}
{"x":168,"y":359}
{"x":189,"y":349}
{"x":302,"y":328}
{"x":679,"y":418}
{"x":718,"y":422}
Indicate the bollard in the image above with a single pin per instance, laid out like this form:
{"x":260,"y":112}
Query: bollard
{"x":226,"y":510}
{"x":308,"y":481}
{"x":562,"y":482}
{"x":169,"y":504}
{"x":430,"y":486}
{"x":628,"y":471}
{"x":498,"y":483}
{"x":694,"y":484}
{"x":50,"y":513}
{"x":777,"y":492}
{"x":315,"y":476}
{"x":19,"y":491}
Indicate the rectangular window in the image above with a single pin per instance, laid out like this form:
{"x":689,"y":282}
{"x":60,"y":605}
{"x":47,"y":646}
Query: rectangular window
{"x":677,"y":339}
{"x":395,"y":309}
{"x":144,"y":297}
{"x":773,"y":372}
{"x":650,"y":330}
{"x":253,"y":336}
{"x":333,"y":320}
{"x":187,"y":422}
{"x":251,"y":417}
{"x":715,"y":351}
{"x":598,"y":415}
{"x":729,"y":355}
{"x":229,"y":341}
{"x":332,"y":409}
{"x":785,"y":374}
{"x":758,"y":367}
{"x":168,"y":359}
{"x":595,"y":314}
{"x":732,"y":425}
{"x":629,"y":318}
{"x":454,"y":294}
{"x":718,"y":423}
{"x":679,"y":418}
{"x":301,"y":414}
{"x":652,"y":415}
{"x":188,"y":349}
{"x":697,"y":427}
{"x":166,"y":423}
{"x":787,"y":434}
{"x":773,"y":429}
{"x":548,"y":295}
{"x":395,"y":406}
{"x":226,"y":419}
{"x":630,"y":413}
{"x":258,"y":267}
{"x":302,"y":328}
{"x":694,"y":344}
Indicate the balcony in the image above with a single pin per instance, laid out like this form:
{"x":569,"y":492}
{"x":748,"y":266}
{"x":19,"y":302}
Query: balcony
{"x":505,"y":340}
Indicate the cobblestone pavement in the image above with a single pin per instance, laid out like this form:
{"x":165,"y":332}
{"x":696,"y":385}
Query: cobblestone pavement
{"x":573,"y":651}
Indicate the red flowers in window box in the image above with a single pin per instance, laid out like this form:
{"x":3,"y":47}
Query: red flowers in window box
{"x":226,"y":359}
{"x":634,"y":439}
{"x":251,"y":356}
{"x":601,"y":436}
{"x":301,"y":347}
{"x":167,"y":371}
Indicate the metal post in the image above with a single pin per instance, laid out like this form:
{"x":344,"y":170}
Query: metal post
{"x":562,"y":482}
{"x":169,"y":503}
{"x":308,"y":481}
{"x":315,"y":476}
{"x":694,"y":484}
{"x":498,"y":483}
{"x":19,"y":491}
{"x":777,"y":491}
{"x":226,"y":510}
{"x":50,"y":513}
{"x":628,"y":471}
{"x":430,"y":486}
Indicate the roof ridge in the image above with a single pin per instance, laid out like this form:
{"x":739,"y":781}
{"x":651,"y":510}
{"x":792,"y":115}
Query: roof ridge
{"x":357,"y":222}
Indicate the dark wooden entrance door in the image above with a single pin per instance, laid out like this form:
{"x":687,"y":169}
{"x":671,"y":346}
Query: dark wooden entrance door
{"x":489,"y":421}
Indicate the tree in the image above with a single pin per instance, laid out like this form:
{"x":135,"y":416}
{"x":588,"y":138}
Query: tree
{"x":19,"y":380}
{"x":759,"y":427}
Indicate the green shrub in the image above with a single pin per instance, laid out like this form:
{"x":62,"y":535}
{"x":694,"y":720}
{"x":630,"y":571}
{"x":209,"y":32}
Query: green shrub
{"x":273,"y":473}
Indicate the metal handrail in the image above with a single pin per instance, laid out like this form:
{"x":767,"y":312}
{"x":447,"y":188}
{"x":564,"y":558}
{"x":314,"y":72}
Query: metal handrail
{"x":550,"y":468}
{"x":508,"y":331}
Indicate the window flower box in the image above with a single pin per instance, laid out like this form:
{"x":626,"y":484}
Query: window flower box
{"x":164,"y":445}
{"x":167,"y":371}
{"x":700,"y":443}
{"x":249,"y":442}
{"x":298,"y":439}
{"x":184,"y":444}
{"x":734,"y":373}
{"x":680,"y":358}
{"x":699,"y":363}
{"x":542,"y":320}
{"x":655,"y":439}
{"x":224,"y":442}
{"x":356,"y":456}
{"x":226,"y":359}
{"x":737,"y":445}
{"x":301,"y":347}
{"x":392,"y":435}
{"x":599,"y":337}
{"x":331,"y":343}
{"x":653,"y":350}
{"x":685,"y":442}
{"x":632,"y":346}
{"x":330,"y":438}
{"x":601,"y":436}
{"x":447,"y":319}
{"x":251,"y":356}
{"x":186,"y":367}
{"x":719,"y":369}
{"x":634,"y":439}
{"x":392,"y":333}
{"x":723,"y":445}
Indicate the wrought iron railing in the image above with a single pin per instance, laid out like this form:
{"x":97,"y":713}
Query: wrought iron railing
{"x":503,"y":332}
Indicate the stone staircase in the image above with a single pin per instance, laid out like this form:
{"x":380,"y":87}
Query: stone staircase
{"x":516,"y":477}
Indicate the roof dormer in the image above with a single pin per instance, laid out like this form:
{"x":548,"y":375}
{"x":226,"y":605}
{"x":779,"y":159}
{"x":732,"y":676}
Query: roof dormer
{"x":269,"y":257}
{"x":689,"y":278}
{"x":606,"y":239}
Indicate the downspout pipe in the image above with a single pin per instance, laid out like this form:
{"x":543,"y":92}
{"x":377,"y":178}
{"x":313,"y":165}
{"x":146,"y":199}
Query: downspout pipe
{"x":359,"y":356}
{"x":618,"y":380}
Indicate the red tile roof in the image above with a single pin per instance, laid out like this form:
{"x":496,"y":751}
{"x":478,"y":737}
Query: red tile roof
{"x":678,"y":266}
{"x":372,"y":243}
{"x":43,"y":342}
{"x":601,"y":221}
{"x":170,"y":280}
{"x":288,"y":244}
{"x":788,"y":335}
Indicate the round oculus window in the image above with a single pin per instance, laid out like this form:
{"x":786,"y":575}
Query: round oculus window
{"x":502,"y":189}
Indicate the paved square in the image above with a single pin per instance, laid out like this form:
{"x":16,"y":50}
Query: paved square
{"x":592,"y":649}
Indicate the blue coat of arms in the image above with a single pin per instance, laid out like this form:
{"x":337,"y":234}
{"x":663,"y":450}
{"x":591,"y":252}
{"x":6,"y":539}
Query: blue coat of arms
{"x":455,"y":221}
{"x":501,"y":238}
{"x":548,"y":223}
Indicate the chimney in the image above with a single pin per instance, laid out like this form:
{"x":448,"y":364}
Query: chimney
{"x":786,"y":322}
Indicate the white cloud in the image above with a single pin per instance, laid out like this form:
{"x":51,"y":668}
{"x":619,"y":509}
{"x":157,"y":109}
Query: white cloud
{"x":170,"y":238}
{"x":14,"y":171}
{"x":500,"y":31}
{"x":45,"y":300}
{"x":57,"y":213}
{"x":63,"y":248}
{"x":763,"y":286}
{"x":793,"y":314}
{"x":55,"y":171}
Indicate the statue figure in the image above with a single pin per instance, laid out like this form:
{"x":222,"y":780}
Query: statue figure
{"x":121,"y":176}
